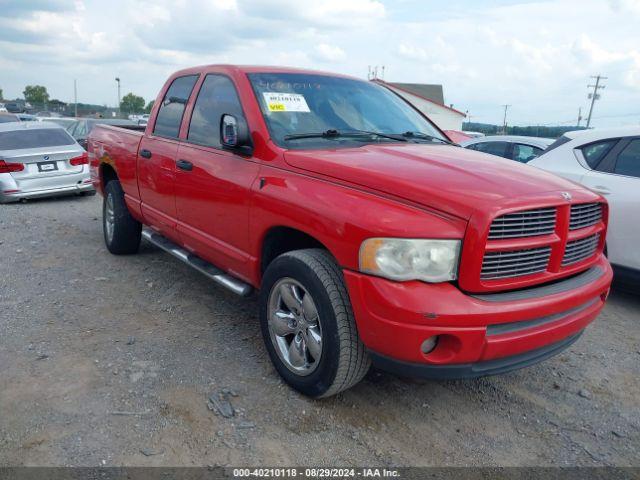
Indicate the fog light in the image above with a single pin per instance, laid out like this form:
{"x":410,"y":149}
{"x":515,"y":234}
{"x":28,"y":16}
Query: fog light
{"x":429,"y":344}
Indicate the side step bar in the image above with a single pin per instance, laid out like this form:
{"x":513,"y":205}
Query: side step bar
{"x":214,"y":273}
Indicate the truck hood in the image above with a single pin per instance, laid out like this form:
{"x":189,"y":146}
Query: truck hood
{"x":447,"y":178}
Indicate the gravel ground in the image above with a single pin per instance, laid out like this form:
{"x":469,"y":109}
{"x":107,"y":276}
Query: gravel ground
{"x":109,"y":360}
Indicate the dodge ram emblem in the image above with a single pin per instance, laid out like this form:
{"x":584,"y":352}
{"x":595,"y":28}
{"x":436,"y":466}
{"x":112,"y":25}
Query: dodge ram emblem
{"x":567,"y":196}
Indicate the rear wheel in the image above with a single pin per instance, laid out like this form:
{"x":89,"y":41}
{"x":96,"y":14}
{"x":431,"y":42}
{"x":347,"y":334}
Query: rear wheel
{"x":308,"y":324}
{"x":122,"y":232}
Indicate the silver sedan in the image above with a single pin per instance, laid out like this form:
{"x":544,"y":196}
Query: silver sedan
{"x":39,"y":159}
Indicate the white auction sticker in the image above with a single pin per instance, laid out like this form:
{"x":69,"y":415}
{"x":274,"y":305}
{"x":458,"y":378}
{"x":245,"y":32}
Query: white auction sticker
{"x":285,"y":102}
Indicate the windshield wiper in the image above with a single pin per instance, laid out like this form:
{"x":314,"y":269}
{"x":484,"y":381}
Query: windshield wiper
{"x":425,"y":136}
{"x":332,"y":133}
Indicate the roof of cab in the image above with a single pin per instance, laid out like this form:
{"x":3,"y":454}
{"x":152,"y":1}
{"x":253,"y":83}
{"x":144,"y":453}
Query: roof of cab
{"x":258,"y":69}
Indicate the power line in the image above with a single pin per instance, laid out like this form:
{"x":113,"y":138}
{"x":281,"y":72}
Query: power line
{"x":595,"y":95}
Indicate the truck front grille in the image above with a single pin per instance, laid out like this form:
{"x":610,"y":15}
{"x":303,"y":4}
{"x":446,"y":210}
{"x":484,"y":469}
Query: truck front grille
{"x":514,"y":263}
{"x":579,"y":250}
{"x":584,"y":215}
{"x":529,"y":223}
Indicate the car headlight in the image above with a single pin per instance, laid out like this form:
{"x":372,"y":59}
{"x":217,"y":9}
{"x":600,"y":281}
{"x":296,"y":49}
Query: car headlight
{"x":408,"y":259}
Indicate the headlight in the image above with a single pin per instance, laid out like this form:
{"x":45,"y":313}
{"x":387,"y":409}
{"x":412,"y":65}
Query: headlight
{"x":406,"y":259}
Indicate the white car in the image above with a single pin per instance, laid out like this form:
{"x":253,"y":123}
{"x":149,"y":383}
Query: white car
{"x":608,"y":162}
{"x":514,"y":147}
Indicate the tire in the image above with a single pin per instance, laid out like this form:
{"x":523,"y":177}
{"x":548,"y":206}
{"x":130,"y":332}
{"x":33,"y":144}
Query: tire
{"x":124,"y":237}
{"x":342,"y":360}
{"x":90,"y":193}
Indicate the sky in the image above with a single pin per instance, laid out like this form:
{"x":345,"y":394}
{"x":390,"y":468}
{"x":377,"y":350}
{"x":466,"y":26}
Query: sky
{"x":536,"y":56}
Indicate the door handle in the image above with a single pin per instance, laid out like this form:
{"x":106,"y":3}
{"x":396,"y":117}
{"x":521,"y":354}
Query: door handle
{"x":145,"y":153}
{"x":184,"y":165}
{"x":601,"y":190}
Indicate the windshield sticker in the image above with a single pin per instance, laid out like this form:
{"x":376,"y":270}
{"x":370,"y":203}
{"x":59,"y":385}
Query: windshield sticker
{"x":285,"y":102}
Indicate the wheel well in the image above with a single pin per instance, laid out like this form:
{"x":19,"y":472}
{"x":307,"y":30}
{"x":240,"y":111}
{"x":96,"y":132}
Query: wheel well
{"x":280,"y":240}
{"x":107,"y":173}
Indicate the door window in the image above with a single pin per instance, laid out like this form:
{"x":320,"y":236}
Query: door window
{"x":170,"y":114}
{"x":595,"y":152}
{"x":524,"y":153}
{"x":216,"y":97}
{"x":494,"y":148}
{"x":628,"y":161}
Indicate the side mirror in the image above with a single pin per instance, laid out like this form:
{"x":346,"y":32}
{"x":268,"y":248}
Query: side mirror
{"x":234,"y":134}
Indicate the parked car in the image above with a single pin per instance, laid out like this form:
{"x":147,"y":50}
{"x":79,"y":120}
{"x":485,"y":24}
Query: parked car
{"x":40,"y":160}
{"x":65,"y":122}
{"x":608,"y":162}
{"x":14,"y":107}
{"x":26,"y":117}
{"x":8,"y":117}
{"x":370,"y":236}
{"x":81,"y":128}
{"x":3,"y":109}
{"x":521,"y":149}
{"x":46,"y":114}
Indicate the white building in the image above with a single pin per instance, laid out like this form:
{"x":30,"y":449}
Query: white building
{"x":429,"y":99}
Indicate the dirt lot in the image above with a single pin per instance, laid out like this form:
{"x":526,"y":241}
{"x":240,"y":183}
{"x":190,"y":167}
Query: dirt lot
{"x":110,"y":360}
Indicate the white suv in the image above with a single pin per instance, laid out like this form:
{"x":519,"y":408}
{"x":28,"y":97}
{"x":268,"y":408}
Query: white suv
{"x":608,"y":162}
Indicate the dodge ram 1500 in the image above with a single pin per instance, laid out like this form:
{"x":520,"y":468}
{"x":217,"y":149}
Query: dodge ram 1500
{"x":370,"y":236}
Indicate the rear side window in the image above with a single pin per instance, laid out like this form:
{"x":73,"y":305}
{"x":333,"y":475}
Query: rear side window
{"x":494,"y":148}
{"x":170,"y":113}
{"x":42,"y":137}
{"x":524,"y":153}
{"x":216,"y":97}
{"x":628,"y":161}
{"x":595,"y":152}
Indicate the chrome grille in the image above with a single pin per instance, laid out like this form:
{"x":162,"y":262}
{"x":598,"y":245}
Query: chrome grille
{"x":528,"y":223}
{"x":514,"y":263}
{"x":584,"y":215}
{"x":578,"y":250}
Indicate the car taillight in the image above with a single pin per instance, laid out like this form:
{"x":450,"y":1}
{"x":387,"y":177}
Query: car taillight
{"x":81,"y":160}
{"x":6,"y":167}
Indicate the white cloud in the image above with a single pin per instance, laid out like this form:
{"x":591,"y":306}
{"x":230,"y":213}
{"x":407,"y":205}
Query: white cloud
{"x":329,"y":53}
{"x":536,"y":55}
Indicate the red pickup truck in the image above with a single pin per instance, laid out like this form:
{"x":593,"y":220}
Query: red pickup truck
{"x":370,"y":236}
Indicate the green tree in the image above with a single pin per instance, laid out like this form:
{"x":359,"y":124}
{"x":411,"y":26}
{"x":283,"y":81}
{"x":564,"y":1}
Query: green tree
{"x":131,"y":103}
{"x":1,"y":94}
{"x":36,"y":94}
{"x":147,"y":108}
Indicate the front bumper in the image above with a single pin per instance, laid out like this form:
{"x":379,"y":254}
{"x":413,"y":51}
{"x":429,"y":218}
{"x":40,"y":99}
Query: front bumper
{"x":394,"y":319}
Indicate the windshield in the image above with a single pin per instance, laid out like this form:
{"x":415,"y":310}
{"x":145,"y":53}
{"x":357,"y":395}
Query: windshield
{"x":299,"y":104}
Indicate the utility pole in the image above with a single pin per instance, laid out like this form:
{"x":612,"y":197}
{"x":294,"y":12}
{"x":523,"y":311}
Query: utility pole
{"x":504,"y":121}
{"x":579,"y":116}
{"x":118,"y":82}
{"x":595,"y":95}
{"x":75,"y":97}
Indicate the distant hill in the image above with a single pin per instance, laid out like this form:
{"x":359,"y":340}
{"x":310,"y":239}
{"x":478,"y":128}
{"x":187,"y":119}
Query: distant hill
{"x":530,"y":131}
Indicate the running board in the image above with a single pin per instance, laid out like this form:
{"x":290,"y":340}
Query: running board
{"x":214,"y":273}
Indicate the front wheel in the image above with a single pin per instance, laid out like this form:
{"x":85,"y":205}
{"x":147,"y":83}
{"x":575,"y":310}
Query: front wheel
{"x":122,"y":232}
{"x":308,"y":324}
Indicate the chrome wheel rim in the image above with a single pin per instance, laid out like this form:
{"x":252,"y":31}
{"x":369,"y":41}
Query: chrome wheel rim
{"x":109,"y":218}
{"x":294,"y":326}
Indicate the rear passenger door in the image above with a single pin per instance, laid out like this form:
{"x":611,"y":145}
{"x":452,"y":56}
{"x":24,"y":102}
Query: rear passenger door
{"x":617,"y":176}
{"x":525,"y":153}
{"x":212,"y":185}
{"x":157,"y":157}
